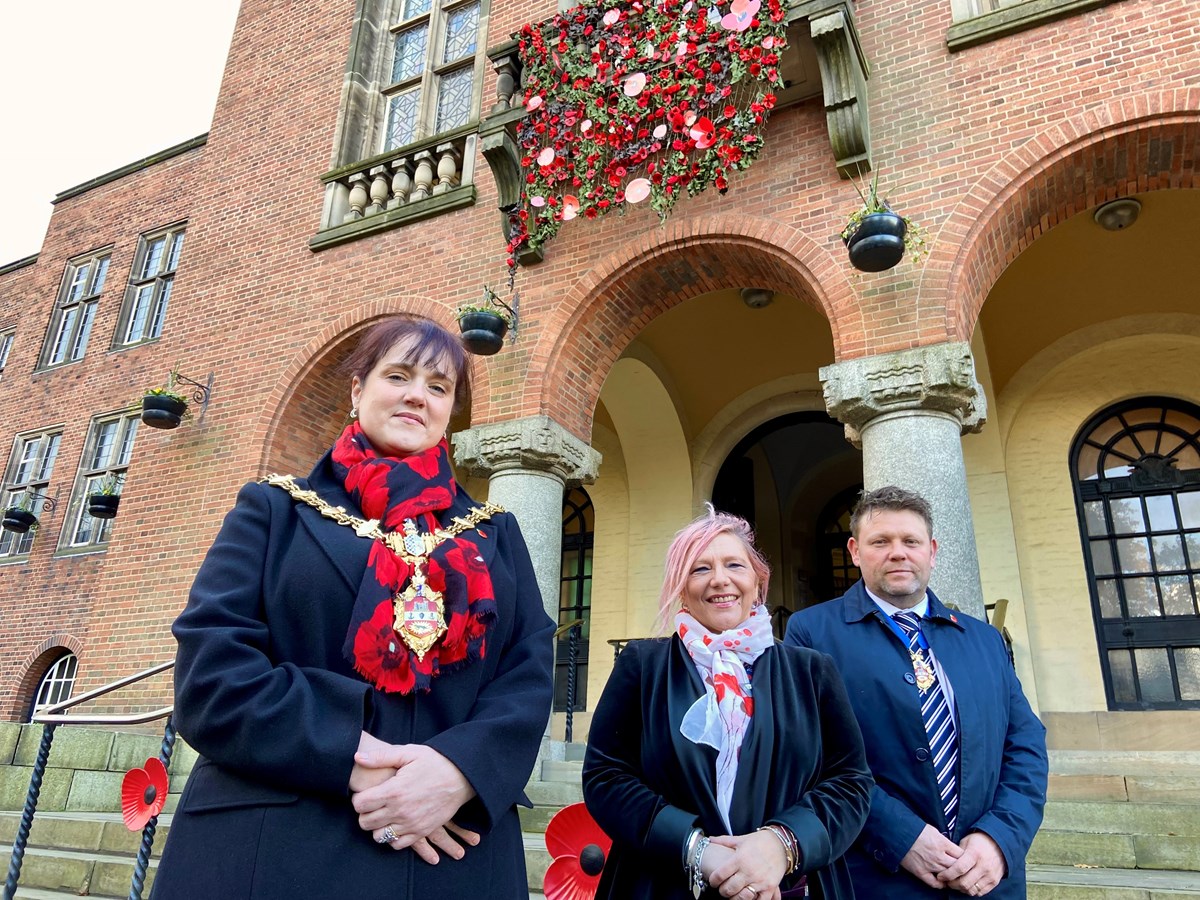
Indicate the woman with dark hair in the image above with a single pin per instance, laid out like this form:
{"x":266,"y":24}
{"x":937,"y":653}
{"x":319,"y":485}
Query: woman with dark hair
{"x":720,"y":762}
{"x":364,"y":664}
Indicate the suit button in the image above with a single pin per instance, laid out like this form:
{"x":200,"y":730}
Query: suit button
{"x":879,"y":856}
{"x":922,"y":754}
{"x":910,"y":678}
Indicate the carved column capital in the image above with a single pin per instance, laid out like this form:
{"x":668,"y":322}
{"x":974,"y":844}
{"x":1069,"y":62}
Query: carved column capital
{"x":536,"y":443}
{"x":937,"y":378}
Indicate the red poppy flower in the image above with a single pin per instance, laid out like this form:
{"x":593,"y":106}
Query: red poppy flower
{"x":144,"y":794}
{"x":579,"y":849}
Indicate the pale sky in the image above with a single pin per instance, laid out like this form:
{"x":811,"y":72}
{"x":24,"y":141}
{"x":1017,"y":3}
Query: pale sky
{"x":86,"y":87}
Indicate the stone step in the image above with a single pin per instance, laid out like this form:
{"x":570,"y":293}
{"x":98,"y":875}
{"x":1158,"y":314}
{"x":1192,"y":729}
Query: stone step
{"x":81,"y":831}
{"x":553,"y":793}
{"x":1116,"y":851}
{"x":570,"y":771}
{"x":1122,"y":817}
{"x":537,"y":860}
{"x":1074,"y":883}
{"x":81,"y":873}
{"x":1125,"y":762}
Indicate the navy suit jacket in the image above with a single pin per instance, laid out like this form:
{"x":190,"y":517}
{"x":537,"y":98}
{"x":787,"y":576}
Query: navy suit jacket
{"x":647,"y":786}
{"x":1002,"y":745}
{"x":263,"y":693}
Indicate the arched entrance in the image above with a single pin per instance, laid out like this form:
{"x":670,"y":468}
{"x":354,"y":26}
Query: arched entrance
{"x":795,"y":478}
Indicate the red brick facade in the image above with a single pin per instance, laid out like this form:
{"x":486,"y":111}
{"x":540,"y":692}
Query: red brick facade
{"x":988,"y":147}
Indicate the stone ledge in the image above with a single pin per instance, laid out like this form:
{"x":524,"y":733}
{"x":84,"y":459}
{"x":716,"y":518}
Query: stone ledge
{"x":1011,"y":19}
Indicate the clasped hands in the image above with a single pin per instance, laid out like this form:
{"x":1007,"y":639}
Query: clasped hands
{"x":413,"y":790}
{"x":974,"y":866}
{"x":746,"y":866}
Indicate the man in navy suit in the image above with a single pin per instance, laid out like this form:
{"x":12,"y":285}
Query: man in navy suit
{"x":958,"y":756}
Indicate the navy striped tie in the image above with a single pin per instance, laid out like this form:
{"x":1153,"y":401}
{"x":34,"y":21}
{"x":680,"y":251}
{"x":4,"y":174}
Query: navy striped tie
{"x":939,"y":726}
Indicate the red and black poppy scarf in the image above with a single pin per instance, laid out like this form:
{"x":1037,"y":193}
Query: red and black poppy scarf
{"x":391,"y":490}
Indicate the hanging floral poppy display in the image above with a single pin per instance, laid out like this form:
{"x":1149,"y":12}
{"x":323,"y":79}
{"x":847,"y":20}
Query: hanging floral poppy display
{"x":639,"y":102}
{"x":579,"y":849}
{"x":144,"y":794}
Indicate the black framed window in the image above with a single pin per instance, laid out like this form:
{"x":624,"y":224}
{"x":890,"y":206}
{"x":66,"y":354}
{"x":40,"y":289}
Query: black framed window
{"x":1136,"y":468}
{"x":575,"y":595}
{"x":836,"y":570}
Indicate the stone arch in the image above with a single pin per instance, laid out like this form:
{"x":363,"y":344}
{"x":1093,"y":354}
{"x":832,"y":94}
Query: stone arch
{"x":34,"y":666}
{"x":303,"y":417}
{"x":756,"y":407}
{"x":621,"y":295}
{"x":1143,"y":143}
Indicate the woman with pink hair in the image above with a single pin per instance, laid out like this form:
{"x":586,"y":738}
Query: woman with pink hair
{"x":721,"y":763}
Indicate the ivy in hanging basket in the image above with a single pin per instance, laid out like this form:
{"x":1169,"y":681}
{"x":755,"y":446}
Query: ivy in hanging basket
{"x":640,"y":102}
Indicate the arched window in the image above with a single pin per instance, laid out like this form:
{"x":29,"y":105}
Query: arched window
{"x":575,"y":595}
{"x":56,"y":685}
{"x":836,"y":570}
{"x":1136,"y":468}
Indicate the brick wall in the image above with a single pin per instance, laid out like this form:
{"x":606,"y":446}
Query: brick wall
{"x":987,"y":148}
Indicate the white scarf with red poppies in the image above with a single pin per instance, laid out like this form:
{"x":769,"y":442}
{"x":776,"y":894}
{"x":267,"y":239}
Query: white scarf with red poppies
{"x":722,"y":716}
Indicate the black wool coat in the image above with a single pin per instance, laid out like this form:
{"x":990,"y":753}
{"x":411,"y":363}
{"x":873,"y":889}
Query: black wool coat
{"x":802,"y":765}
{"x":263,"y":693}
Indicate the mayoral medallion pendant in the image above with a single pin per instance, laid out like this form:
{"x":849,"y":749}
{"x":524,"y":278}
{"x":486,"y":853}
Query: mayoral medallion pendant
{"x":420,"y":612}
{"x":922,"y":670}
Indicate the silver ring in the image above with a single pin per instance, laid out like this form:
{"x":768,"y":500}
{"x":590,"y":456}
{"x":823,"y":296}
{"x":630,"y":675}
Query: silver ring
{"x":389,"y":835}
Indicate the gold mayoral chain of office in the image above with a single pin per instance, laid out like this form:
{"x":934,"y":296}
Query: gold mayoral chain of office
{"x":420,"y":610}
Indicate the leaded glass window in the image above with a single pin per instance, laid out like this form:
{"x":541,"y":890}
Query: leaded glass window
{"x":434,"y":72}
{"x":150,"y":284}
{"x":26,"y":482}
{"x":78,"y":296}
{"x":105,"y":461}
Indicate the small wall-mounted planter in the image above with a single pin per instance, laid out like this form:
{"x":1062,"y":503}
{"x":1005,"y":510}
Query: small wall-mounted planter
{"x":18,"y":520}
{"x":103,"y":506}
{"x":878,"y":242}
{"x":483,"y":332}
{"x":163,"y":410}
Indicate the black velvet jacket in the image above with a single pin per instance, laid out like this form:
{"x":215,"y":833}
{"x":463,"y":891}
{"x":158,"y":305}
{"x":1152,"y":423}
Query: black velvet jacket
{"x":802,"y":765}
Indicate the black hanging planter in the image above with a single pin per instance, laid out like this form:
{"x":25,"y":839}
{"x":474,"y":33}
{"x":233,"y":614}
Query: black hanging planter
{"x":878,"y":242}
{"x":103,"y":506}
{"x":18,"y":520}
{"x":163,"y":410}
{"x":483,"y":332}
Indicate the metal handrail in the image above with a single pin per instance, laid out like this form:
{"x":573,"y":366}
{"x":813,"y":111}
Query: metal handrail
{"x":54,"y":714}
{"x":50,"y":718}
{"x":573,"y":629}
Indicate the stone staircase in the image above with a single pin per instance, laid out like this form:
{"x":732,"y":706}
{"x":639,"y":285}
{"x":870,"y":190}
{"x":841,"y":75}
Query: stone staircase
{"x":1119,"y":825}
{"x":78,"y":844}
{"x":72,"y":854}
{"x":558,"y":786}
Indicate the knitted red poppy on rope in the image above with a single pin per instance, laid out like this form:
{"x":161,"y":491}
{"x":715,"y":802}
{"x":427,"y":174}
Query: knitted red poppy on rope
{"x":418,"y":487}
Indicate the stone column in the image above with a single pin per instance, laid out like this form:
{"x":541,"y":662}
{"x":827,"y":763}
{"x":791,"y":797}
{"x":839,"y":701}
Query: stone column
{"x":529,"y":462}
{"x":908,"y":411}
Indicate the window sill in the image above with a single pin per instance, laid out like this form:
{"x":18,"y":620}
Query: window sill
{"x":72,"y":552}
{"x":1012,"y":19}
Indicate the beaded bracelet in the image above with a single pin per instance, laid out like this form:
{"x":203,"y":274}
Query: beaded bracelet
{"x":791,"y":847}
